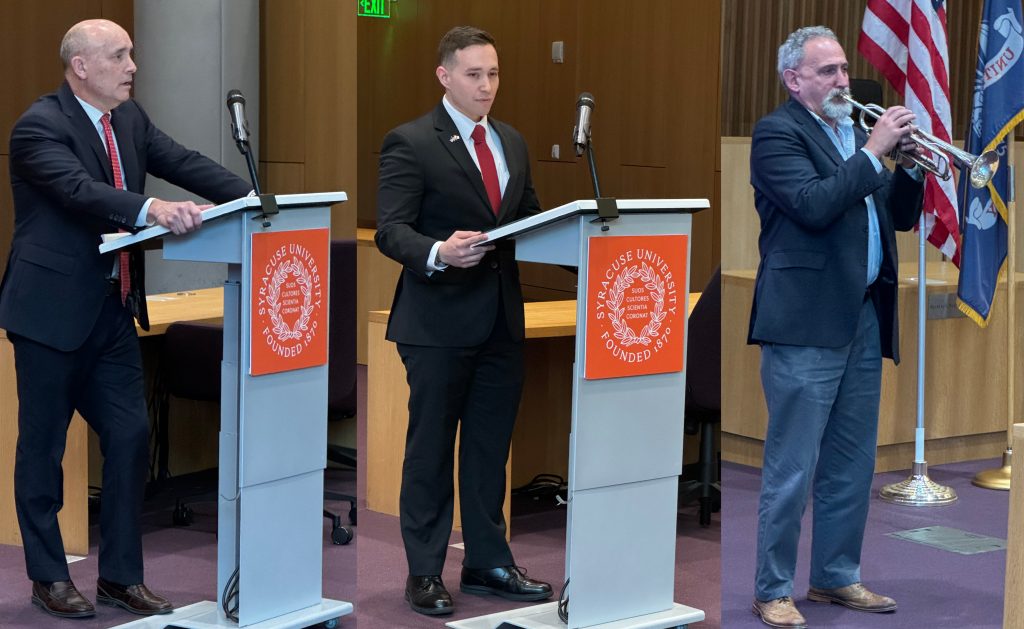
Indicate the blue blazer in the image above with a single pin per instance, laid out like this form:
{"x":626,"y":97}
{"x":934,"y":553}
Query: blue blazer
{"x":56,"y":280}
{"x":811,"y":278}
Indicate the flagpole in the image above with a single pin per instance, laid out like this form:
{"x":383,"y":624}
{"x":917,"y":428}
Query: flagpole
{"x":999,"y":478}
{"x":918,"y":490}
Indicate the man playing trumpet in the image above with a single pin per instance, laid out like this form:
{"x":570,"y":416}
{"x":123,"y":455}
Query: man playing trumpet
{"x":824,"y":313}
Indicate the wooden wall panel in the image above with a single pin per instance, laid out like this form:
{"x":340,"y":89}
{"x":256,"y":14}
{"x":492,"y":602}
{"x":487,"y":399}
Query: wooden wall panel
{"x":283,"y":178}
{"x":31,"y":34}
{"x":655,"y":128}
{"x":308,"y":99}
{"x":753,"y":31}
{"x":282,"y":81}
{"x":330,"y":107}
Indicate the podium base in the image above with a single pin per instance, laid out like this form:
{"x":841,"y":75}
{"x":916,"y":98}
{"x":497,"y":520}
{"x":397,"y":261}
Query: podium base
{"x":205,"y":615}
{"x":546,"y":617}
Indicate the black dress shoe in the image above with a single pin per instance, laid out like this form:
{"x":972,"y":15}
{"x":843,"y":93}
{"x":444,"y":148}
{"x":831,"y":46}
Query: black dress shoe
{"x":427,"y":595}
{"x":61,"y":598}
{"x":135,"y":598}
{"x":507,"y":582}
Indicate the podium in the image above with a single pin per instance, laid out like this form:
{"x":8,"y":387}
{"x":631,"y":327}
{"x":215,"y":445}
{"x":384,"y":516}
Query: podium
{"x":273,"y":433}
{"x":626,"y":440}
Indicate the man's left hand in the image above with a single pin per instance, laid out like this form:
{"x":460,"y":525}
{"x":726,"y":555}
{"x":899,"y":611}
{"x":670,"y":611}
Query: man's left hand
{"x":180,"y":217}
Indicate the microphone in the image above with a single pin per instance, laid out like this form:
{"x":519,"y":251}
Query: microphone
{"x":239,"y":125}
{"x":581,"y":132}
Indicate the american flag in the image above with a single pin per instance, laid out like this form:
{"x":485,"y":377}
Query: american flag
{"x":906,"y":41}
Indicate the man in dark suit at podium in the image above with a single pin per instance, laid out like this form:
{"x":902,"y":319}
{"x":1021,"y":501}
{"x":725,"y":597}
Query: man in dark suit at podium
{"x":824,"y":313}
{"x":457,"y":318}
{"x":79,"y":159}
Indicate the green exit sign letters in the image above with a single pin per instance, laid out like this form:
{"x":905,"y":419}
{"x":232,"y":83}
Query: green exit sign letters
{"x":374,"y":8}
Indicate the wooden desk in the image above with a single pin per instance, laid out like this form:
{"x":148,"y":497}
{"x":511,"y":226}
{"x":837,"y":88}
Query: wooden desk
{"x":965,"y":379}
{"x":201,"y":305}
{"x":377,"y":276}
{"x":540,"y":442}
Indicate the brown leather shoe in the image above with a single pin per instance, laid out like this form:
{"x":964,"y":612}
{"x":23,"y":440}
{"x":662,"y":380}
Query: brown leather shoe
{"x":61,"y":598}
{"x":854,"y":596}
{"x":780,"y":612}
{"x":135,"y":598}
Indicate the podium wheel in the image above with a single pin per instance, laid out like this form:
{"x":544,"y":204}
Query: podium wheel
{"x":341,"y":535}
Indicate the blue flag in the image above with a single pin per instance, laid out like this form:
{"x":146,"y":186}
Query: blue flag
{"x":998,"y":105}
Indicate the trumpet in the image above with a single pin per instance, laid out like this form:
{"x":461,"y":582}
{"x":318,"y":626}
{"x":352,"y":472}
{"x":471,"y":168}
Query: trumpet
{"x":980,"y":168}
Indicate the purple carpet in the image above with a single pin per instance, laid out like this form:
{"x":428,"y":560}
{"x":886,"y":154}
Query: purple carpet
{"x":181,"y":562}
{"x":538,"y":544}
{"x":933,"y":588}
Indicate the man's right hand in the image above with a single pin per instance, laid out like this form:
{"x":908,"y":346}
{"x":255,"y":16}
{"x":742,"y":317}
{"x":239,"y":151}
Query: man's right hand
{"x":180,"y":217}
{"x":891,"y":127}
{"x":458,"y":251}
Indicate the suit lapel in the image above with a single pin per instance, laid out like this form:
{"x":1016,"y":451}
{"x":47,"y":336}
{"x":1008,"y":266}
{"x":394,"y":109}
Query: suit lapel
{"x":85,"y":129}
{"x":515,"y":169}
{"x":448,"y":136}
{"x":813,"y":129}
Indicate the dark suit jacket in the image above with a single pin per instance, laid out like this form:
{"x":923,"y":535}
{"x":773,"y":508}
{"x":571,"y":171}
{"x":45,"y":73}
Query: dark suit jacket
{"x":429,"y":188}
{"x":64,"y":199}
{"x":813,"y":243}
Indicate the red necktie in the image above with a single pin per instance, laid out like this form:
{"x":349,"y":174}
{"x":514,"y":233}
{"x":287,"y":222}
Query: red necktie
{"x":115,"y":166}
{"x":487,"y":169}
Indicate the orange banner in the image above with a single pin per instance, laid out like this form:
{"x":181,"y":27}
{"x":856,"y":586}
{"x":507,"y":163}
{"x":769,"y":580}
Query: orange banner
{"x":636,"y":305}
{"x":289,"y":300}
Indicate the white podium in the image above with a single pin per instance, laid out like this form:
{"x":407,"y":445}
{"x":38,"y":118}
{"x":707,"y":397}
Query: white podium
{"x":626,"y":440}
{"x":273,"y":434}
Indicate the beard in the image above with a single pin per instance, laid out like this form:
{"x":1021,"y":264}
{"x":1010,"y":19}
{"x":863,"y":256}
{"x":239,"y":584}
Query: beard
{"x":833,"y":105}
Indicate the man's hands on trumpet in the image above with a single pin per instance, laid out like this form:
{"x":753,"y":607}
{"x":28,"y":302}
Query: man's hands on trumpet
{"x":893,"y":130}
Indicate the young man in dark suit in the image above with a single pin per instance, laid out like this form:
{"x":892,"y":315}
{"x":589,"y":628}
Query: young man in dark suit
{"x":79,"y":159}
{"x":824,"y":313}
{"x":457,"y":318}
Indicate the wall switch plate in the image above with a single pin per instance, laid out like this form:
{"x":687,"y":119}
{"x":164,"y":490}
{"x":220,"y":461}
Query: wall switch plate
{"x":558,"y":52}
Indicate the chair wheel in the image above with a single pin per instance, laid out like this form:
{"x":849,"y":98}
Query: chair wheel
{"x":341,"y":535}
{"x":705,"y":512}
{"x":182,"y":515}
{"x":332,"y":623}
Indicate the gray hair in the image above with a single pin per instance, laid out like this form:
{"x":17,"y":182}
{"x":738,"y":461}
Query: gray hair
{"x":791,"y":52}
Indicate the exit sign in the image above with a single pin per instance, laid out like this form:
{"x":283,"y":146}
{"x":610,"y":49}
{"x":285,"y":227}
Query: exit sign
{"x":374,"y":8}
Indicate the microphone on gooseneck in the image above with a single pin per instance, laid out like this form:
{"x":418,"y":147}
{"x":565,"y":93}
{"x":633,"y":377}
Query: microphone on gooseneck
{"x":239,"y":125}
{"x":581,"y":132}
{"x":240,"y":132}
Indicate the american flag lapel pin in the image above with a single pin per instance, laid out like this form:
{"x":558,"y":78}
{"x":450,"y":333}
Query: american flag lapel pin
{"x":454,"y":138}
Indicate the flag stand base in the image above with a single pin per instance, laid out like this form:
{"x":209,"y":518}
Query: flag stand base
{"x":998,"y":478}
{"x":918,"y":490}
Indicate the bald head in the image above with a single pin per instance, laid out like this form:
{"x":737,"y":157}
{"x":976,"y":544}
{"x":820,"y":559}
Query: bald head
{"x":85,"y":36}
{"x":98,"y":66}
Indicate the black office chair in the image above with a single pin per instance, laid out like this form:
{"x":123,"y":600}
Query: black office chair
{"x":190,"y":369}
{"x":703,"y":394}
{"x":341,"y":370}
